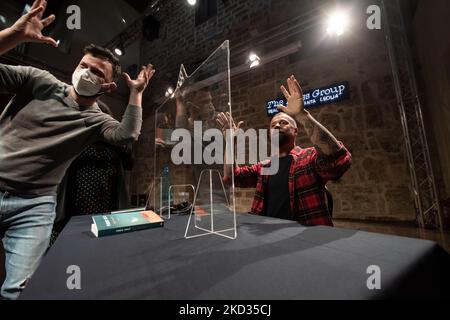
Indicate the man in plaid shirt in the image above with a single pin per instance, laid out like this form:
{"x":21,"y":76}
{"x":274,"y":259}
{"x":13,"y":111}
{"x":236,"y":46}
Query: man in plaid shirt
{"x":297,"y":190}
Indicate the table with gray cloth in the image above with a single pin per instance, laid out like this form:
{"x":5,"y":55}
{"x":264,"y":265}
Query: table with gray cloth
{"x":270,"y":260}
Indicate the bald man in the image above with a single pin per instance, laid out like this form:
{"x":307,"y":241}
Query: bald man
{"x":297,"y":191}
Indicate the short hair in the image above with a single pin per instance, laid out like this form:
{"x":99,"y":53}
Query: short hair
{"x":191,"y":93}
{"x":293,"y":122}
{"x":105,"y":54}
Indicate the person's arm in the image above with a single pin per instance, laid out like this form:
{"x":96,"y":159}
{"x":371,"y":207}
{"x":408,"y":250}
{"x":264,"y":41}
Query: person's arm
{"x":27,"y":29}
{"x":128,"y":130}
{"x":331,"y":158}
{"x":15,"y":78}
{"x":321,"y":138}
{"x":181,"y":117}
{"x":245,"y":176}
{"x":229,"y":128}
{"x":27,"y":81}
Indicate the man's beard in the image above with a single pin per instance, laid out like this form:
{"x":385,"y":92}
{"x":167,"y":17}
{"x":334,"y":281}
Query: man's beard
{"x":283,"y":138}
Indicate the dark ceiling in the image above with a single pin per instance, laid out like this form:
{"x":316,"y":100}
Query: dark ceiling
{"x":139,"y":5}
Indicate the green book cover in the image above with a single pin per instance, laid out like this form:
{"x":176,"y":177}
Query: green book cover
{"x":105,"y":225}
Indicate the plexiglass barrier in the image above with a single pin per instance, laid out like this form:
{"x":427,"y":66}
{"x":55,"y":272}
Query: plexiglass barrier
{"x":190,"y":148}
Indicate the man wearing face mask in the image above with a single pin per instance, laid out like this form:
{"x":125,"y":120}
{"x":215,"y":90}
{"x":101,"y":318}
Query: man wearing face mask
{"x":42,"y":130}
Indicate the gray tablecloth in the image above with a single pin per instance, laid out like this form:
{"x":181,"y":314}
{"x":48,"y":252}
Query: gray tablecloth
{"x":271,"y":259}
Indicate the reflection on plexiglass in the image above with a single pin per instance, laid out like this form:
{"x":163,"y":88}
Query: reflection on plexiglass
{"x":183,"y":124}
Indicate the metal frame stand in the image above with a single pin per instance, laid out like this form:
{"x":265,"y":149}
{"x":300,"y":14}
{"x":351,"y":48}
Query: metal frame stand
{"x":424,"y":189}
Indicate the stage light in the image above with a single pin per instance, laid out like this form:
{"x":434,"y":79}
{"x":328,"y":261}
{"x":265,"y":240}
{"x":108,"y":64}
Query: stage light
{"x":254,"y":60}
{"x":253,"y":57}
{"x":254,"y":64}
{"x":192,"y":2}
{"x":118,"y":51}
{"x":169,"y":93}
{"x":337,"y":23}
{"x":124,"y":21}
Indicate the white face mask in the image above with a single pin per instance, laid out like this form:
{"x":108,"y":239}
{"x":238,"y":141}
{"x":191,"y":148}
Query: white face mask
{"x":86,"y":83}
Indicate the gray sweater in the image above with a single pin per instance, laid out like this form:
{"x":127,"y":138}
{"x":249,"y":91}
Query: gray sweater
{"x":42,"y":130}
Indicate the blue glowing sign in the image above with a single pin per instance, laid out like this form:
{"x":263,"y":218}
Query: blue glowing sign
{"x":272,"y":106}
{"x":317,"y":97}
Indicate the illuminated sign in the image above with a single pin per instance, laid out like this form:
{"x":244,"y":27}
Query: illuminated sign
{"x":317,"y":97}
{"x":272,"y":106}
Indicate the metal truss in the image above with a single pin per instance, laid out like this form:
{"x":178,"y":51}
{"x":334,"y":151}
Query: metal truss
{"x":426,"y":200}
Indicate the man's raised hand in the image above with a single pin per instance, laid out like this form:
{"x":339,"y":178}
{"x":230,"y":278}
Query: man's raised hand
{"x":29,"y":27}
{"x":142,"y":80}
{"x":225,"y":119}
{"x":294,"y":97}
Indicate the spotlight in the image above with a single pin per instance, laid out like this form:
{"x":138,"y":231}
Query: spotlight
{"x":118,"y":51}
{"x":253,"y":57}
{"x":337,"y":23}
{"x":192,"y":2}
{"x":254,"y":60}
{"x":124,"y":21}
{"x":169,"y":93}
{"x":254,"y":64}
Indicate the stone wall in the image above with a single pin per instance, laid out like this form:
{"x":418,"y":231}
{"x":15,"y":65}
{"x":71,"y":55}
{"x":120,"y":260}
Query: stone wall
{"x":433,"y":53}
{"x":377,"y":186}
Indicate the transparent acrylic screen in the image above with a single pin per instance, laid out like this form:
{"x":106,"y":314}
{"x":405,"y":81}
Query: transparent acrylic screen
{"x":196,"y":158}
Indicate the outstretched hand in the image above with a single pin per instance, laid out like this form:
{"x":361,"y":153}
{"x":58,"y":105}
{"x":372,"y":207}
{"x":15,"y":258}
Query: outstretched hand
{"x":294,"y":97}
{"x":29,"y":27}
{"x":225,"y":119}
{"x":141,"y":82}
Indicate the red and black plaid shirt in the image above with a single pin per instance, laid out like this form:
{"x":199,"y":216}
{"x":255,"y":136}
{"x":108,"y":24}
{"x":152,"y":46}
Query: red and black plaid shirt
{"x":309,"y":172}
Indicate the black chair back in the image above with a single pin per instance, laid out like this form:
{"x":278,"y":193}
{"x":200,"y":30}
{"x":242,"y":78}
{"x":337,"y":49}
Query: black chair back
{"x":329,"y":201}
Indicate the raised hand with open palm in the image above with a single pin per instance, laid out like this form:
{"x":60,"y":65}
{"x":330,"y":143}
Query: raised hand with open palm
{"x":29,"y":27}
